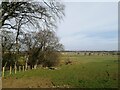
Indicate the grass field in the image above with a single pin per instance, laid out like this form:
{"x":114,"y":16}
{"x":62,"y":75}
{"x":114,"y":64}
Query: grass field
{"x":84,"y":72}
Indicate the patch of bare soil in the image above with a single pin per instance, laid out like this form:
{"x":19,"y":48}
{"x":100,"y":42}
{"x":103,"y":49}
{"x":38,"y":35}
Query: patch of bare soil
{"x":31,"y":82}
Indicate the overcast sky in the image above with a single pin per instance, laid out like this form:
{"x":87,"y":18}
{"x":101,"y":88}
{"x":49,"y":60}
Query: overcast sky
{"x":89,"y":26}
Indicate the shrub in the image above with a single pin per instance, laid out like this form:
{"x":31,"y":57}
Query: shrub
{"x":50,"y":59}
{"x":10,"y":58}
{"x":68,"y":61}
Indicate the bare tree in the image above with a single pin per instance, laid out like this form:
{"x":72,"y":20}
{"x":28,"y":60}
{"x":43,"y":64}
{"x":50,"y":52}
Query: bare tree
{"x":26,"y":17}
{"x":16,"y":14}
{"x":8,"y":41}
{"x":45,"y":48}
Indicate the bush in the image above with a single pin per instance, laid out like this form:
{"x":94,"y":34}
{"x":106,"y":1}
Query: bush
{"x":68,"y":61}
{"x":50,"y":58}
{"x":21,"y":60}
{"x":8,"y":57}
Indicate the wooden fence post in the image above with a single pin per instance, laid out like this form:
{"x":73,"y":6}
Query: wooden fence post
{"x":32,"y":66}
{"x":3,"y":71}
{"x":10,"y":70}
{"x":15,"y":68}
{"x":19,"y":68}
{"x":26,"y":64}
{"x":23,"y":68}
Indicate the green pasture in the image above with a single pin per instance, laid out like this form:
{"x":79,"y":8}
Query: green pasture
{"x":84,"y":72}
